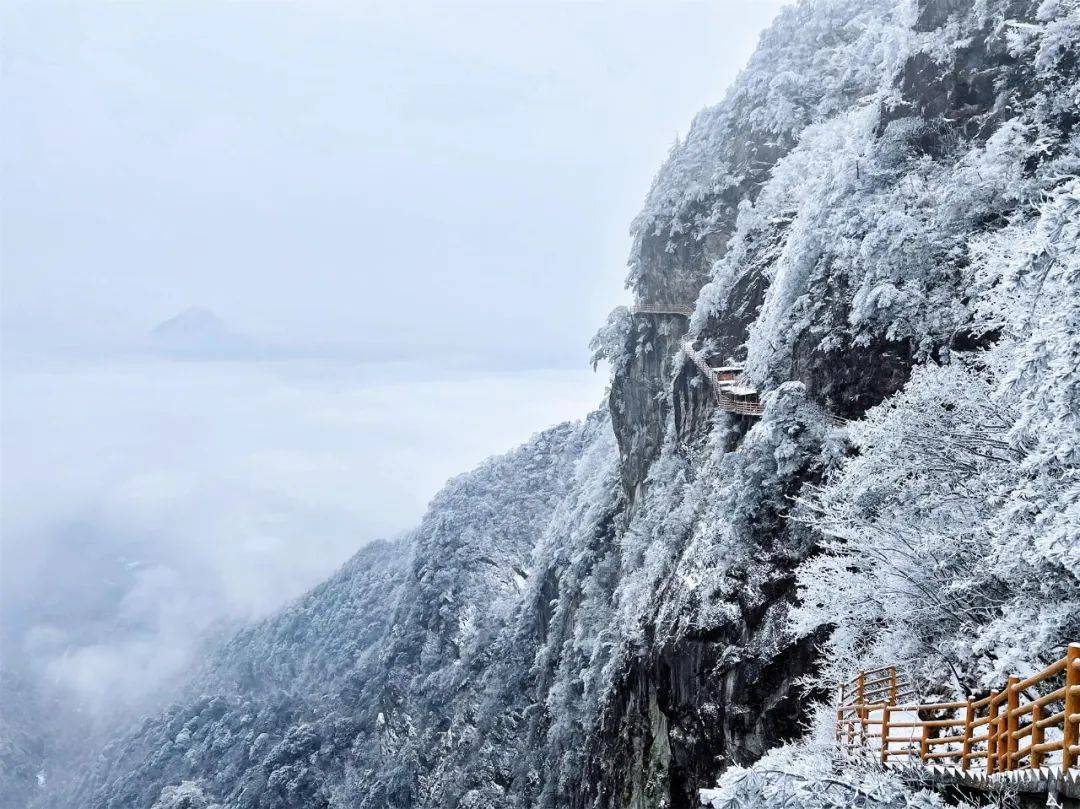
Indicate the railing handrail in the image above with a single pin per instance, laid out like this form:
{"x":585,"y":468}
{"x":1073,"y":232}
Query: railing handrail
{"x":662,"y":308}
{"x":1009,"y":715}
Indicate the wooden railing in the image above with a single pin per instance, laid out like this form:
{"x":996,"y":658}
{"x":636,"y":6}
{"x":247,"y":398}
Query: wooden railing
{"x":684,"y":309}
{"x":746,"y":405}
{"x":867,"y":692}
{"x":1026,"y":725}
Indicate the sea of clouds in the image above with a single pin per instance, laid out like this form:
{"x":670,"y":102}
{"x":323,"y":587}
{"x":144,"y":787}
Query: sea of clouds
{"x":149,"y":502}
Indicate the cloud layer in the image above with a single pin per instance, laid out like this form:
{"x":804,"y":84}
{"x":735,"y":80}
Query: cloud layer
{"x":146,"y":500}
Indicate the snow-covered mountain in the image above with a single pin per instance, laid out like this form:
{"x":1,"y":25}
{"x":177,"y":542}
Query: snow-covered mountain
{"x":880,"y":220}
{"x":354,"y":693}
{"x":199,"y":333}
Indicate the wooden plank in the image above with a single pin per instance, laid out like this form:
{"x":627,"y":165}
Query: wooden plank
{"x":1018,"y":755}
{"x":850,"y":732}
{"x":930,"y":723}
{"x":1045,"y":674}
{"x":1022,"y":732}
{"x":663,"y":309}
{"x":855,"y":679}
{"x":858,"y":706}
{"x":946,"y":740}
{"x":1025,"y":709}
{"x":933,"y":706}
{"x":943,"y":754}
{"x":878,"y":681}
{"x":1049,"y":721}
{"x":943,"y":723}
{"x":1054,"y":696}
{"x":880,"y":694}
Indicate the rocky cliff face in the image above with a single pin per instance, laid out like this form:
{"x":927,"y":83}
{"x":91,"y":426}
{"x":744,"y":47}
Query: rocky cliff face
{"x":601,"y":618}
{"x":789,"y":207}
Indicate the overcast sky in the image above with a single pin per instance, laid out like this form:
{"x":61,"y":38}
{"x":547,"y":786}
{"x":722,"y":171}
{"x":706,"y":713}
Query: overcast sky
{"x":438,"y":174}
{"x":447,"y":185}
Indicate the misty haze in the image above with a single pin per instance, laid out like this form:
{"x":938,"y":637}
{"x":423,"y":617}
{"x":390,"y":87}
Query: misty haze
{"x":540,"y":405}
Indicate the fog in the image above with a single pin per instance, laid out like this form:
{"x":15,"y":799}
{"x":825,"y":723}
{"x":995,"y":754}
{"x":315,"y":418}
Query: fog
{"x":146,"y":499}
{"x":407,"y":220}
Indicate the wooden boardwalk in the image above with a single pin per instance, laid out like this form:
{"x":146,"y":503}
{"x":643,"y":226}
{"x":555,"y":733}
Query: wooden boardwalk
{"x":1027,"y":733}
{"x":682,"y":309}
{"x":730,"y":394}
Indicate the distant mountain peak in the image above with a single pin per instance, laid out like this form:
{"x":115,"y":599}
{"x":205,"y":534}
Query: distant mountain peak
{"x":193,"y":320}
{"x":199,"y":331}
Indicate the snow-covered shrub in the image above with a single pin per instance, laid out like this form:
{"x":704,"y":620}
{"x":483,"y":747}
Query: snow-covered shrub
{"x":609,"y":343}
{"x":795,"y":778}
{"x":186,"y":795}
{"x":955,"y":529}
{"x":812,"y":63}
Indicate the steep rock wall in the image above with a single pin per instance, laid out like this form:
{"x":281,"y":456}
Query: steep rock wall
{"x":946,"y":80}
{"x":601,"y":619}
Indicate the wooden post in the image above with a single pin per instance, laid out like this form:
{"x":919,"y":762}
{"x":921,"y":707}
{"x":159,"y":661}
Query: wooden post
{"x":893,"y":692}
{"x":1071,"y":737}
{"x":885,"y":733}
{"x":924,"y":746}
{"x":849,"y":722}
{"x":860,"y":700}
{"x":1035,"y":759}
{"x":1013,"y":722}
{"x":992,"y":733}
{"x":1003,"y":737}
{"x":969,"y":717}
{"x":840,"y":718}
